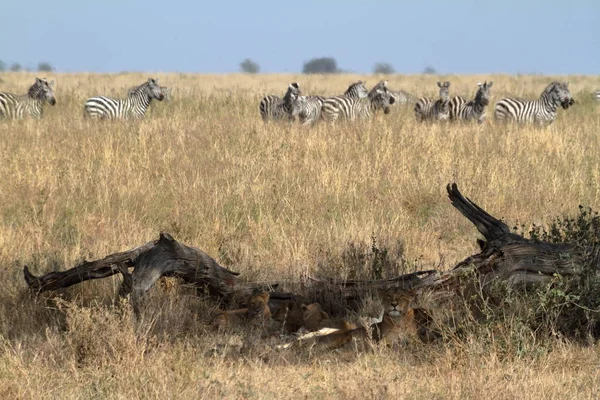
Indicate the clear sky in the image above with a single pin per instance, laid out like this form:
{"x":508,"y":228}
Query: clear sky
{"x":453,"y":36}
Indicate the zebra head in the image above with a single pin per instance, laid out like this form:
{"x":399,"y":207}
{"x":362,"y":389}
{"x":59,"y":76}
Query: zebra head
{"x":381,"y":97}
{"x":444,"y":90}
{"x":299,"y":106}
{"x":153,"y":89}
{"x":564,"y":94}
{"x":292,"y":93}
{"x":357,"y":90}
{"x":42,"y":90}
{"x":558,"y":93}
{"x":483,"y":93}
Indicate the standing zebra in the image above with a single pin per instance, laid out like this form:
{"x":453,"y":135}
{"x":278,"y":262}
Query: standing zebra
{"x":350,"y":108}
{"x":435,"y":110}
{"x":541,"y":111}
{"x":311,"y":107}
{"x":134,"y":105}
{"x":14,"y":106}
{"x":474,"y":109}
{"x":277,"y":108}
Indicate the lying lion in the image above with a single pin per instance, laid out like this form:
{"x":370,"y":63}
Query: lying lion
{"x":256,"y":314}
{"x":311,"y":317}
{"x":397,"y":325}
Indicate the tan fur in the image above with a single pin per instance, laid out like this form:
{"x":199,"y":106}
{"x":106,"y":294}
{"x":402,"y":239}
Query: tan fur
{"x":313,"y":315}
{"x":256,"y":314}
{"x":339,"y":324}
{"x":397,"y":326}
{"x":290,"y":314}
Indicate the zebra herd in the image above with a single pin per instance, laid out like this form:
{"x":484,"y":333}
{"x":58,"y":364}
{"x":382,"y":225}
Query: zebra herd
{"x":357,"y":102}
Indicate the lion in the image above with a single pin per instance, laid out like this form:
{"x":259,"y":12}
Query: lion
{"x":313,"y":316}
{"x":256,"y":314}
{"x":396,"y":326}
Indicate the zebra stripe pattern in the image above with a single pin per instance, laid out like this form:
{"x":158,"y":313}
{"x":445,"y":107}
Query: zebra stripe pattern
{"x":428,"y":109}
{"x":134,"y":105}
{"x":403,"y":97}
{"x":311,"y":106}
{"x":14,"y":106}
{"x":474,"y":109}
{"x":350,"y":108}
{"x":277,"y":108}
{"x":357,"y":90}
{"x":310,"y":111}
{"x":166,"y":91}
{"x":541,"y":111}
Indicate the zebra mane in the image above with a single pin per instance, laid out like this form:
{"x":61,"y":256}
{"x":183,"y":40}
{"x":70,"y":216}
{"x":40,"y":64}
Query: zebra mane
{"x":138,"y":89}
{"x":353,"y":85}
{"x":552,"y":86}
{"x":37,"y":88}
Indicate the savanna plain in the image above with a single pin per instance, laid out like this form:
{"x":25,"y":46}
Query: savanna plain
{"x":273,"y":202}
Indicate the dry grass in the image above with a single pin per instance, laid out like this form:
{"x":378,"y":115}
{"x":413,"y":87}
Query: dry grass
{"x":264,"y":200}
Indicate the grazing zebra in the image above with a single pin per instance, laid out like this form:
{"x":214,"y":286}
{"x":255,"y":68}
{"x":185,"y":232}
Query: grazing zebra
{"x":541,"y":111}
{"x":351,"y":108}
{"x":474,"y":109}
{"x":435,"y":110}
{"x":277,"y":108}
{"x":311,"y":105}
{"x":166,"y":91}
{"x":134,"y":105}
{"x":14,"y":106}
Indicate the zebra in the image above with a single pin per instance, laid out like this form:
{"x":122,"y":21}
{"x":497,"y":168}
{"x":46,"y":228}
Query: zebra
{"x":474,"y":109}
{"x":277,"y":108}
{"x":435,"y":110}
{"x":166,"y":91}
{"x":541,"y":111}
{"x":14,"y":106}
{"x":403,"y":97}
{"x":597,"y":95}
{"x":350,"y":108}
{"x":134,"y":105}
{"x":312,"y":105}
{"x":310,"y":111}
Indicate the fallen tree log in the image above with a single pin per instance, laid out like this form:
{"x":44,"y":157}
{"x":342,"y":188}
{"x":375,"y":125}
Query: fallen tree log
{"x":504,"y":256}
{"x":162,"y":257}
{"x":510,"y":257}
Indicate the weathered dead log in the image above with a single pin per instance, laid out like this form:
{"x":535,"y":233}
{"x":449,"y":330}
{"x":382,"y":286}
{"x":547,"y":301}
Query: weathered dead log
{"x":510,"y":257}
{"x":162,"y":257}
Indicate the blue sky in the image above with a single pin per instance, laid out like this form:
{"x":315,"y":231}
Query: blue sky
{"x":511,"y":36}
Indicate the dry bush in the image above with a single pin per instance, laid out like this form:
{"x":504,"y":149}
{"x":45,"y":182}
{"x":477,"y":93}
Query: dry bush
{"x":271,"y":201}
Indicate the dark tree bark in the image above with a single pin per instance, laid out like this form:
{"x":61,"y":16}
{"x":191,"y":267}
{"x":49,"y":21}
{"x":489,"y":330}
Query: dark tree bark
{"x":162,"y":257}
{"x":510,"y":257}
{"x":504,"y":256}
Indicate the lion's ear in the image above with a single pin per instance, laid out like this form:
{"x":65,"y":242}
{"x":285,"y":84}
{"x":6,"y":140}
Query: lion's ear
{"x":304,"y":307}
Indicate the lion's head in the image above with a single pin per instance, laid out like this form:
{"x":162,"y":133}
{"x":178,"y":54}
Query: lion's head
{"x":396,"y":302}
{"x":258,"y":306}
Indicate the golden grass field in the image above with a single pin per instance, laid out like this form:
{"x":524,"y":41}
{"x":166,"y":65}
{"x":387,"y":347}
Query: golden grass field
{"x":270,"y":201}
